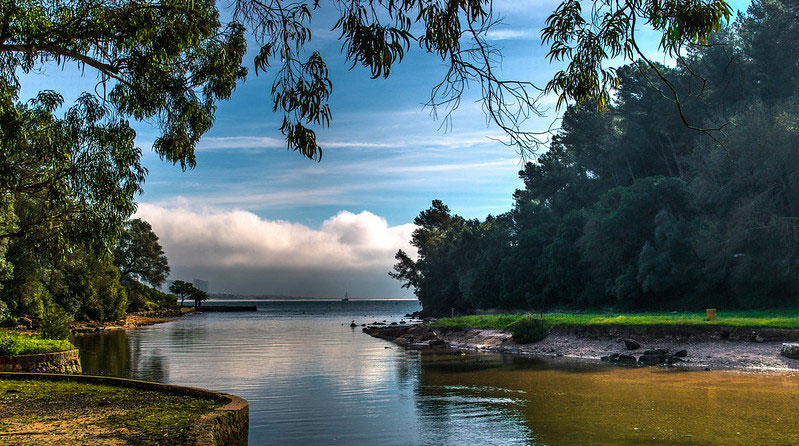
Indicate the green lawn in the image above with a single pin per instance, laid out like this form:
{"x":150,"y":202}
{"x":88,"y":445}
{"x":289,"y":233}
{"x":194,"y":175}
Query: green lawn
{"x":785,"y":318}
{"x":14,"y":344}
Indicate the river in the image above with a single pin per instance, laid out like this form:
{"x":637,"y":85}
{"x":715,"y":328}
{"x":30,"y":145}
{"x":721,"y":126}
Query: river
{"x":312,"y":379}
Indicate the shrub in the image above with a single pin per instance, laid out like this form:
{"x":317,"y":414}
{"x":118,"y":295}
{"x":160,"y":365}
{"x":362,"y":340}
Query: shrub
{"x":529,"y":329}
{"x":12,"y":344}
{"x":55,"y":323}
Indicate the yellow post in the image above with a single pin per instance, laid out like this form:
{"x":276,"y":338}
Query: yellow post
{"x":711,"y":314}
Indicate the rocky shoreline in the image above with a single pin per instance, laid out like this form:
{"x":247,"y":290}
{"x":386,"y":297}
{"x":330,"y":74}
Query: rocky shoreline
{"x":727,"y":348}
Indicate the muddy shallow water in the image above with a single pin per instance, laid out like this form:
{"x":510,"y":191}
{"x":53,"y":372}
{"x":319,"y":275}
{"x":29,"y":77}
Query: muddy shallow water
{"x":311,"y":379}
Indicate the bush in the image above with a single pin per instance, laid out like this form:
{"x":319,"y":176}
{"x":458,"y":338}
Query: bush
{"x":529,"y":329}
{"x":142,"y":297}
{"x":12,"y":344}
{"x":55,"y":323}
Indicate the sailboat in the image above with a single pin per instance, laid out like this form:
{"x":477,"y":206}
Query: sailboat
{"x":346,"y":298}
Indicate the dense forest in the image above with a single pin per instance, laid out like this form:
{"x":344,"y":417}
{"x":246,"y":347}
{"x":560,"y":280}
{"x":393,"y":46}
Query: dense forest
{"x":682,"y":194}
{"x":41,"y":280}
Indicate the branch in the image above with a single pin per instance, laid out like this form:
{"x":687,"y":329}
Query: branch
{"x":110,"y":70}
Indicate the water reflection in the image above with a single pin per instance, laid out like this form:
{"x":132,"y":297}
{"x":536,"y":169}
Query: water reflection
{"x":114,"y":354}
{"x":310,"y":379}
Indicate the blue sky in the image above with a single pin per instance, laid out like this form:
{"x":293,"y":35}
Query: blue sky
{"x":320,"y":229}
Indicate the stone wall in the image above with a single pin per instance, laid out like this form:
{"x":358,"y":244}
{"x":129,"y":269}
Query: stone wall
{"x":57,"y":362}
{"x":228,"y":425}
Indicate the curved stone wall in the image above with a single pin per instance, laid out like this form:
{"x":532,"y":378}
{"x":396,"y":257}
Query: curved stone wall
{"x":228,"y":425}
{"x":56,"y":362}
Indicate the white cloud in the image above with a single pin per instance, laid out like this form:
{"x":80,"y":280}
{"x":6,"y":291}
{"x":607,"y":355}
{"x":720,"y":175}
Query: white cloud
{"x":513,"y":34}
{"x":448,"y":141}
{"x":242,"y":252}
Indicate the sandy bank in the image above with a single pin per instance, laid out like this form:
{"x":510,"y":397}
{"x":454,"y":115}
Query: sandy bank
{"x":742,"y":349}
{"x":131,"y":320}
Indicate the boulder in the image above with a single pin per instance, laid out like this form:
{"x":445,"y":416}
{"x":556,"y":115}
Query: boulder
{"x":619,"y":358}
{"x":681,"y":353}
{"x":652,"y":359}
{"x":790,"y":350}
{"x":660,"y":357}
{"x":657,"y":351}
{"x":631,"y":344}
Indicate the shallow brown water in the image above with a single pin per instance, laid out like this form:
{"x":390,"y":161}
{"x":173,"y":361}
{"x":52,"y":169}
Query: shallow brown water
{"x":312,"y":380}
{"x":566,"y":403}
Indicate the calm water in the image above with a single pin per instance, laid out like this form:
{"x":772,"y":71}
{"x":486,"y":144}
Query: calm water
{"x":311,"y":380}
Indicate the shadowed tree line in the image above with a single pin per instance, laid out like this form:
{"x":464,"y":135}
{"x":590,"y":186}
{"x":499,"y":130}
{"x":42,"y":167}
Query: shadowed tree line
{"x":80,"y":284}
{"x":631,"y":209}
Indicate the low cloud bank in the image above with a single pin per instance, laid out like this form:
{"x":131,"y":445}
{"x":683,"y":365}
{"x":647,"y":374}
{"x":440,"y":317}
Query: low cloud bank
{"x":240,"y":252}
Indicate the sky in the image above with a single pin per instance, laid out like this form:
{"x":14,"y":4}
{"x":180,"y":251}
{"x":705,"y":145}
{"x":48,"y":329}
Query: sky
{"x":253,"y":218}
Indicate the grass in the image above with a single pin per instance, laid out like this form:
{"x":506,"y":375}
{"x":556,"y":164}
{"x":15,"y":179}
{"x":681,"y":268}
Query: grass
{"x":14,"y":344}
{"x":780,"y":318}
{"x":136,"y":416}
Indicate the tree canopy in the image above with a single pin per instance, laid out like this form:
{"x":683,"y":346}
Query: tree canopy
{"x":172,"y":61}
{"x":630,"y":209}
{"x":139,"y":256}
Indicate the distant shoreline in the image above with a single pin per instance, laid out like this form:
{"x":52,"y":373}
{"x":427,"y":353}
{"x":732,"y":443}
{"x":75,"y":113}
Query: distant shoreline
{"x":310,"y":299}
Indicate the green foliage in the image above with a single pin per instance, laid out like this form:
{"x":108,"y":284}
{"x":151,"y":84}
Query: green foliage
{"x":4,"y":313}
{"x":142,"y":297}
{"x":139,"y":256}
{"x":198,"y":296}
{"x":171,"y":62}
{"x":185,"y":290}
{"x":66,"y":181}
{"x":610,"y":33}
{"x":630,"y":209}
{"x":55,"y":323}
{"x":528,"y":329}
{"x":182,"y":290}
{"x":12,"y":344}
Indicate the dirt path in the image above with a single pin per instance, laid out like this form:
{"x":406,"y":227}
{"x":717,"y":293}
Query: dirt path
{"x":34,"y":413}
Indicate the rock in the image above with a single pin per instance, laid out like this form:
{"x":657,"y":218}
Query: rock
{"x":681,"y":353}
{"x":437,"y":343}
{"x":459,"y":353}
{"x":757,"y":338}
{"x":618,"y":358}
{"x":363,"y":325}
{"x":657,"y":351}
{"x":659,"y":356}
{"x":631,"y":344}
{"x":393,"y":323}
{"x":403,"y":322}
{"x":790,"y":350}
{"x":652,"y":359}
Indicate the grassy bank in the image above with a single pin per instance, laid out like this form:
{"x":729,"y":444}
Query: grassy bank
{"x":14,"y":344}
{"x":786,"y":318}
{"x":79,"y":413}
